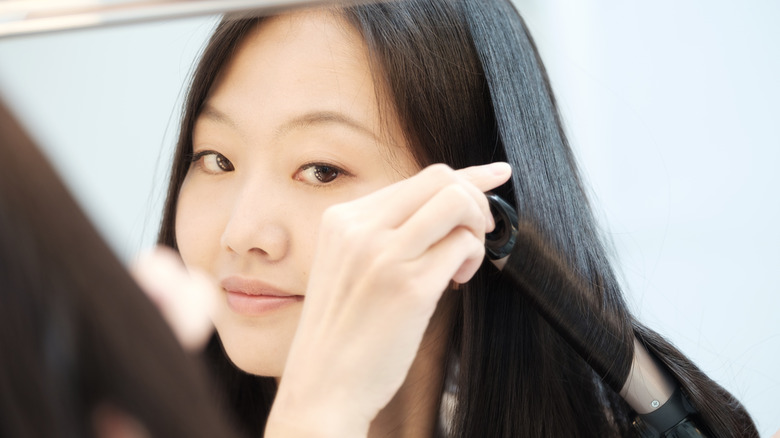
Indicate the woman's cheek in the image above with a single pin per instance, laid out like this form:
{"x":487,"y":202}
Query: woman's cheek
{"x":196,"y":228}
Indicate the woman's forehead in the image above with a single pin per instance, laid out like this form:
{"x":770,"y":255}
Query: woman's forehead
{"x":311,"y":62}
{"x":318,"y":42}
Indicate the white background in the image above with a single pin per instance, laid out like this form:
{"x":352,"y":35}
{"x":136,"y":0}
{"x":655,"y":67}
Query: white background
{"x":673,"y":109}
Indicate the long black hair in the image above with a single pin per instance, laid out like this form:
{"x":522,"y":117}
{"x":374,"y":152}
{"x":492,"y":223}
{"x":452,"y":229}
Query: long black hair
{"x":469,"y":88}
{"x":76,"y":332}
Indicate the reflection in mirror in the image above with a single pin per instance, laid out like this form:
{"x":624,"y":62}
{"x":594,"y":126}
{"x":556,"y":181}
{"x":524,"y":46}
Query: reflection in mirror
{"x":674,"y":129}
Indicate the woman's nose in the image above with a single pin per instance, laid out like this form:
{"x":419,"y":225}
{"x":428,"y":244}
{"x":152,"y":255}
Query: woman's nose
{"x":256,"y":226}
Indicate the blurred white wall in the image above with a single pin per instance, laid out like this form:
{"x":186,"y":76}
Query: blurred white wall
{"x":105,"y":105}
{"x":673,"y":109}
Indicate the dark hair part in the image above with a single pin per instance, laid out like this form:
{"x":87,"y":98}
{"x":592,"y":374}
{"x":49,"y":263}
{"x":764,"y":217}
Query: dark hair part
{"x":469,"y":88}
{"x":75,"y":329}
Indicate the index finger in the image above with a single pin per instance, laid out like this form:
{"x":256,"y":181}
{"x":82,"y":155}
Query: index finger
{"x":407,"y":196}
{"x":486,"y":177}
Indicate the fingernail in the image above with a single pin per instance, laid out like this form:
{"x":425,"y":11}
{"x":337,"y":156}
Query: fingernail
{"x":500,"y":168}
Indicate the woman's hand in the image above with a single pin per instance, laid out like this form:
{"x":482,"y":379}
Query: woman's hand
{"x":381,"y":265}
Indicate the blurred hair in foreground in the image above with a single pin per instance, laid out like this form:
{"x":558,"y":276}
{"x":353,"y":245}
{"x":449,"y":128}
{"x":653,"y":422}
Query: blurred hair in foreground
{"x":77,"y":335}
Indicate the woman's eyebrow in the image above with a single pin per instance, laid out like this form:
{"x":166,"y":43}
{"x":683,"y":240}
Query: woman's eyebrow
{"x":302,"y":121}
{"x":322,"y":117}
{"x":216,"y":115}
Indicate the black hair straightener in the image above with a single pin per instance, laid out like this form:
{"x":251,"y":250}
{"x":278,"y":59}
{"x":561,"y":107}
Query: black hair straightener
{"x":661,"y":406}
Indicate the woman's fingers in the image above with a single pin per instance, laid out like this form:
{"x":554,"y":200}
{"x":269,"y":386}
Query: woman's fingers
{"x":460,"y":204}
{"x":405,"y":220}
{"x":450,"y":208}
{"x":409,"y":195}
{"x":487,"y":177}
{"x":457,"y":256}
{"x":483,"y":179}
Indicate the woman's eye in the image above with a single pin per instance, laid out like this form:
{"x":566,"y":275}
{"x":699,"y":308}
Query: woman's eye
{"x":213,"y":162}
{"x":318,"y":174}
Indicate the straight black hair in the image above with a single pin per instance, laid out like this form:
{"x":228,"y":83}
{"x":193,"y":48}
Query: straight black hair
{"x":75,"y":330}
{"x":500,"y":37}
{"x":469,"y":88}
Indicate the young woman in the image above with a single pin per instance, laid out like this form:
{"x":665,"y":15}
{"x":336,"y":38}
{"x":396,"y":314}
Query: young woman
{"x":314,"y":180}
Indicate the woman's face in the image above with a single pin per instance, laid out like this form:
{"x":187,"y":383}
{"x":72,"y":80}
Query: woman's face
{"x":291,"y":127}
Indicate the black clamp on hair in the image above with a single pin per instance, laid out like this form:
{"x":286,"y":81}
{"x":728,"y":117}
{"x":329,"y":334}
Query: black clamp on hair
{"x":500,"y":241}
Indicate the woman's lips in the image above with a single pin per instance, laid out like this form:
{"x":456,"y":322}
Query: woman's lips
{"x":255,"y":305}
{"x":254,"y":298}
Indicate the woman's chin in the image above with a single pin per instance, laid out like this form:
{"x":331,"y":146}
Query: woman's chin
{"x":256,"y":361}
{"x":258,"y":348}
{"x":262,"y":368}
